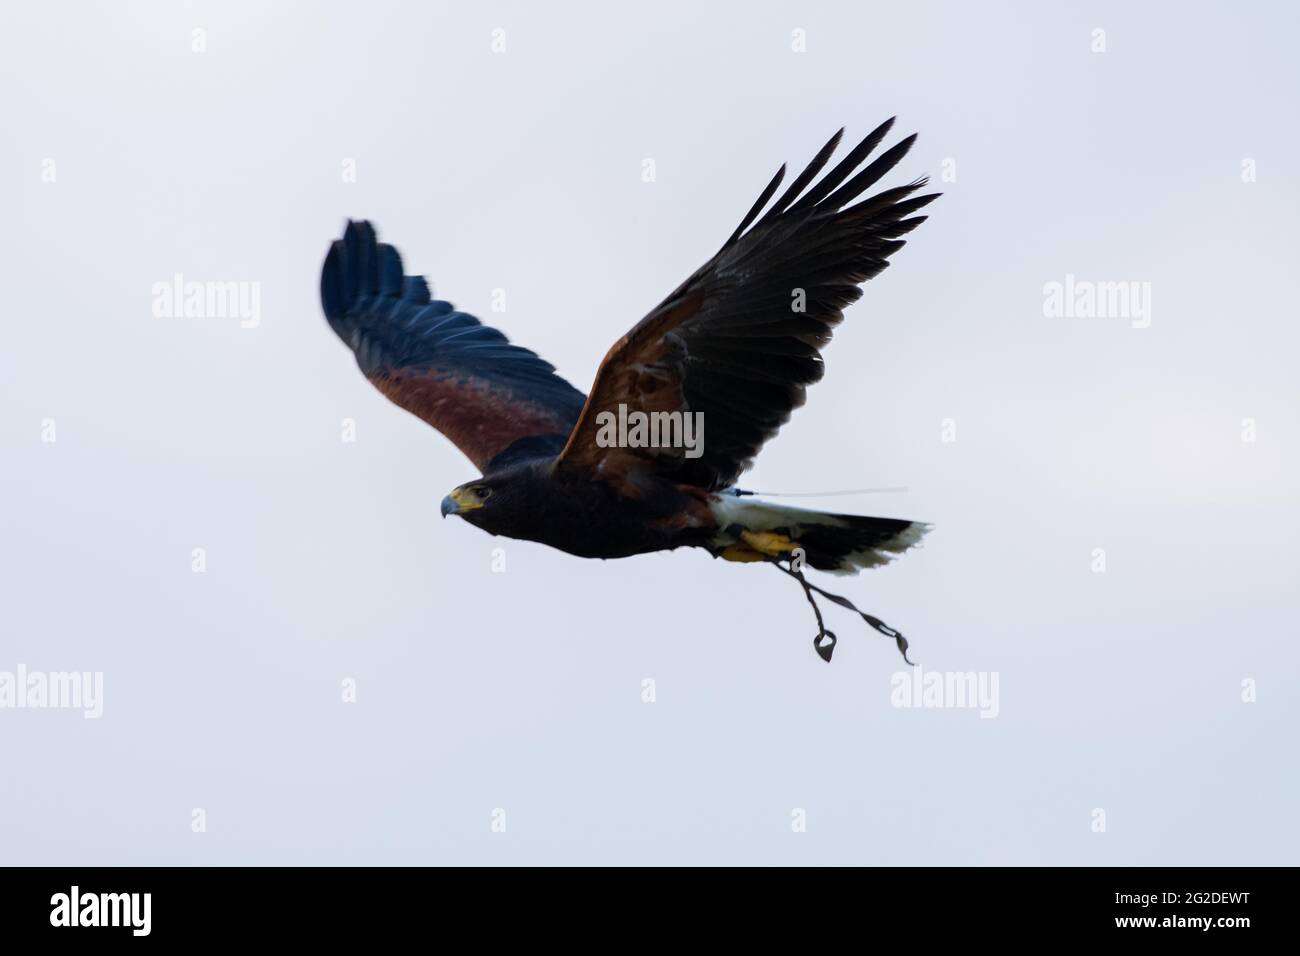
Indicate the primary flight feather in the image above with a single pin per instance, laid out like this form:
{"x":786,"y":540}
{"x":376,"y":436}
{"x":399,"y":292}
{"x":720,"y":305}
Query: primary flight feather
{"x":731,"y":351}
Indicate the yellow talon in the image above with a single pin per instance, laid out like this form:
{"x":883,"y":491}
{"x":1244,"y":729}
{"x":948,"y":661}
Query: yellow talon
{"x":740,"y":552}
{"x":768,"y":543}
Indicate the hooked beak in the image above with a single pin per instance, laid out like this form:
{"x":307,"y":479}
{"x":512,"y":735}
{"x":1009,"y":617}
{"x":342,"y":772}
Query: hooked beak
{"x":458,"y":502}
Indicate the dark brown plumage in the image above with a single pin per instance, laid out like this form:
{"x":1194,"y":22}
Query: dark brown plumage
{"x":737,"y":344}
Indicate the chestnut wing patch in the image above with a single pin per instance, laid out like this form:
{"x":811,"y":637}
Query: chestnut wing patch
{"x":494,"y":400}
{"x":740,"y":341}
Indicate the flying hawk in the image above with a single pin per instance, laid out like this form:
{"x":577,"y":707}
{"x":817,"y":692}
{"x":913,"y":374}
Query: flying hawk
{"x":681,"y":404}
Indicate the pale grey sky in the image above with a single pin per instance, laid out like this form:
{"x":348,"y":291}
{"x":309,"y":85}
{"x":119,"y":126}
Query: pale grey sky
{"x":1168,"y":159}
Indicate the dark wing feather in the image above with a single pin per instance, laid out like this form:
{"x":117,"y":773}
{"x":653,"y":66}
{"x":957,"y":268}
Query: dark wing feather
{"x":497,"y":402}
{"x":730,"y":342}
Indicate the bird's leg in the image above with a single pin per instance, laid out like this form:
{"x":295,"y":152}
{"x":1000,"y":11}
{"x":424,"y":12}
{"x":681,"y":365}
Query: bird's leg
{"x":824,"y":642}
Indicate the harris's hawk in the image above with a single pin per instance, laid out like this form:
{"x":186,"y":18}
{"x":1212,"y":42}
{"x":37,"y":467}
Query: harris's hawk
{"x":681,"y":404}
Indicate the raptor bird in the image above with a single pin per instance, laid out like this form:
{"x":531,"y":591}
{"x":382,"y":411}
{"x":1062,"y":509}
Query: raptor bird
{"x":681,"y":404}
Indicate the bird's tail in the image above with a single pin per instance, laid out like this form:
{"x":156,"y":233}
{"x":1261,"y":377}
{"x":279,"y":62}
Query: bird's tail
{"x":752,"y":530}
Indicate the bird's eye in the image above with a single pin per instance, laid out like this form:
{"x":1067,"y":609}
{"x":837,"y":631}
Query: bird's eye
{"x":484,"y":493}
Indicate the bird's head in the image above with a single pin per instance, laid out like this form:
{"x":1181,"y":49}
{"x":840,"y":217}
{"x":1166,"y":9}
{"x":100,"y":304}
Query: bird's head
{"x":473,"y":501}
{"x":505,"y":502}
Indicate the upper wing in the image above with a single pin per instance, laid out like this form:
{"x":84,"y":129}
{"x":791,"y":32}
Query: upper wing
{"x":462,"y":377}
{"x":740,"y":340}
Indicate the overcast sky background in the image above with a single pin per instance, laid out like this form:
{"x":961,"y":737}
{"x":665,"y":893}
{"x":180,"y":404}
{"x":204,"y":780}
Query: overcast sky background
{"x":522,"y":690}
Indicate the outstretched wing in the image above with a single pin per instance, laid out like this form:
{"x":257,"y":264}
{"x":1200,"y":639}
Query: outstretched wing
{"x":497,"y":402}
{"x":741,"y":339}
